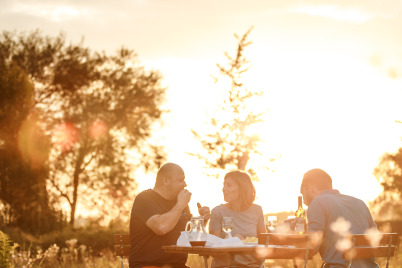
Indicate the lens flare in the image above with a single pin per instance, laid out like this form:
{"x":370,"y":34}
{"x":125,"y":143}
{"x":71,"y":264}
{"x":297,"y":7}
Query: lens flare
{"x":33,"y":143}
{"x":98,"y":129}
{"x":343,"y":244}
{"x":373,"y":236}
{"x":341,"y":226}
{"x":316,"y":238}
{"x":65,"y":135}
{"x":262,"y":252}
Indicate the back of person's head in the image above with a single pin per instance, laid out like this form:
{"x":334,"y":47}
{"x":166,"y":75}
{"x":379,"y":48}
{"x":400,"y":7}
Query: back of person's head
{"x":167,"y":171}
{"x":246,"y":187}
{"x":317,"y":178}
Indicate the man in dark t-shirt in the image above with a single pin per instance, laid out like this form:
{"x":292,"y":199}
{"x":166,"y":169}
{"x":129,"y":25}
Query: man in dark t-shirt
{"x":158,"y":216}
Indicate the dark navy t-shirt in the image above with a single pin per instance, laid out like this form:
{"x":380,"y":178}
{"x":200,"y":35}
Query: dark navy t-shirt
{"x":146,"y":246}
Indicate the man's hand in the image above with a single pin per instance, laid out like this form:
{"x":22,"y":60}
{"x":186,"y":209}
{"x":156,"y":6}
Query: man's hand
{"x":291,"y":223}
{"x":183,"y":198}
{"x":205,"y":212}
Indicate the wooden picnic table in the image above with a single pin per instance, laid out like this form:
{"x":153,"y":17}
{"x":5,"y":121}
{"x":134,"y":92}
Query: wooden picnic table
{"x":261,"y":251}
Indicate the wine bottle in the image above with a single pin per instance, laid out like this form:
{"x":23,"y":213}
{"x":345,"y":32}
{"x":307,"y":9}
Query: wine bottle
{"x":301,"y":218}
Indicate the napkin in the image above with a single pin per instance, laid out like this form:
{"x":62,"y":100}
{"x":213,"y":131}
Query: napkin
{"x":229,"y":242}
{"x":182,"y":241}
{"x":212,"y":241}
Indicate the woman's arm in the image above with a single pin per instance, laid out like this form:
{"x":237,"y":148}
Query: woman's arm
{"x":215,"y":223}
{"x":261,"y":222}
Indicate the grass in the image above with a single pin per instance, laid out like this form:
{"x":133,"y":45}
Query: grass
{"x":74,"y":256}
{"x":194,"y":261}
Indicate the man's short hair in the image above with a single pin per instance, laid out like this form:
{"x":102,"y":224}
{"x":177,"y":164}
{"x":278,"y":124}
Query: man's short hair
{"x":318,"y":178}
{"x":167,"y":171}
{"x":246,"y":187}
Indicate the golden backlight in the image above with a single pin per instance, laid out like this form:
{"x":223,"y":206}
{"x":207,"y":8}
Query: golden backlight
{"x":330,"y":72}
{"x":329,"y":107}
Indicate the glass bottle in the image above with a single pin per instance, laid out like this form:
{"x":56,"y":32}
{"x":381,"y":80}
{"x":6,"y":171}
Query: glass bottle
{"x":301,"y":218}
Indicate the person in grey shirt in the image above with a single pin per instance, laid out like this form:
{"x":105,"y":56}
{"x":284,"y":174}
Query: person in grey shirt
{"x":248,"y":219}
{"x":334,"y":216}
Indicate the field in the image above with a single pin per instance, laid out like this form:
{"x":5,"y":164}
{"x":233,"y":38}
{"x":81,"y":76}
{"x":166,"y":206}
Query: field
{"x":94,"y":249}
{"x":395,"y":262}
{"x":78,"y":257}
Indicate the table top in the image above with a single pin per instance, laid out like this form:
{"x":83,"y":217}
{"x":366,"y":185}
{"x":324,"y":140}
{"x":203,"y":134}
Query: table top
{"x":271,"y":252}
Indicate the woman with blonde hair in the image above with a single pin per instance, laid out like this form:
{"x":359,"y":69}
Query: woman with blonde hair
{"x":248,"y":218}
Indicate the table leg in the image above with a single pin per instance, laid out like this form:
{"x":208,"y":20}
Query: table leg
{"x":230,"y":259}
{"x":205,"y":261}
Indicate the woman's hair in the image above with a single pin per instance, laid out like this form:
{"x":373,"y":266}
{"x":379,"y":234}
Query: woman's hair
{"x":246,"y":187}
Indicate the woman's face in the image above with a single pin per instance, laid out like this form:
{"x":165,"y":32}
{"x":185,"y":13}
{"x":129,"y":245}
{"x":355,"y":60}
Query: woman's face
{"x":231,"y":191}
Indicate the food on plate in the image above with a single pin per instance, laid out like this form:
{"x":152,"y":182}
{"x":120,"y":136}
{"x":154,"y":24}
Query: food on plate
{"x":250,"y":239}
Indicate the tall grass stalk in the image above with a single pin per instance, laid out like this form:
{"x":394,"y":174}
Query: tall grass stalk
{"x":5,"y":250}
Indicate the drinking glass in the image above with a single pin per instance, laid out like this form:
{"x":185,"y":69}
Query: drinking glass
{"x":227,"y":226}
{"x":272,"y":221}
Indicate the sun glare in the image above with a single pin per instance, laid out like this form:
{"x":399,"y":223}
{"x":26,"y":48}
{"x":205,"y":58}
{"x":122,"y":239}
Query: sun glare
{"x":320,"y":111}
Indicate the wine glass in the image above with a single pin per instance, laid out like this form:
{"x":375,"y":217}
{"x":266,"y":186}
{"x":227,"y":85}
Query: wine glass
{"x":227,"y":226}
{"x":272,"y":221}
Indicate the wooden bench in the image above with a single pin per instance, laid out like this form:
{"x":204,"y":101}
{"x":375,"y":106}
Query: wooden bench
{"x":122,"y":246}
{"x":301,"y":241}
{"x":366,"y":246}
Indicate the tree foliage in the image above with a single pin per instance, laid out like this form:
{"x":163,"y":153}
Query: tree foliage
{"x":23,"y":150}
{"x":229,"y":144}
{"x":389,"y":174}
{"x":97,"y":111}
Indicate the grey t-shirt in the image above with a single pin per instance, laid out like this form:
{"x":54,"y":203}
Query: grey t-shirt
{"x":245,"y":223}
{"x":326,"y":209}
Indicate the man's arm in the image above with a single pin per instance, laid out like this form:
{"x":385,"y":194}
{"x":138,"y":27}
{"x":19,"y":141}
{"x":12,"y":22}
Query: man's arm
{"x":317,"y":222}
{"x":315,"y":240}
{"x":161,"y":224}
{"x":315,"y":229}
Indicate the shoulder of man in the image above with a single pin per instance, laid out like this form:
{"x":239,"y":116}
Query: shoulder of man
{"x":328,"y":195}
{"x":358,"y":200}
{"x":145,"y":195}
{"x":328,"y":198}
{"x":321,"y":201}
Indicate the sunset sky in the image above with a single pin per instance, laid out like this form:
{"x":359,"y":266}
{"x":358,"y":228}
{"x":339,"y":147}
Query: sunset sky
{"x":331,"y":72}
